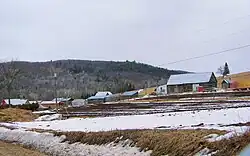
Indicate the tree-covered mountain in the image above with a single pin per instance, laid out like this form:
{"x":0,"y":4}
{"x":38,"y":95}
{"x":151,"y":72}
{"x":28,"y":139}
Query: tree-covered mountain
{"x":80,"y":78}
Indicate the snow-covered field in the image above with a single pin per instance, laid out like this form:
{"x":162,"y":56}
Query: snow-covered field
{"x":53,"y":145}
{"x":207,"y":119}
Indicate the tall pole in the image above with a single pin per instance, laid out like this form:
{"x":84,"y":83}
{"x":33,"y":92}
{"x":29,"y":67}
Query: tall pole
{"x":55,"y":77}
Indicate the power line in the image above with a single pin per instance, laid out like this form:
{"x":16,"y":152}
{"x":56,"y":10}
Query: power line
{"x":224,"y":23}
{"x":211,"y":54}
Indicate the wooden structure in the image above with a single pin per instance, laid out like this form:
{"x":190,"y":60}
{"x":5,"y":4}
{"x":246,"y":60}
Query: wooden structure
{"x":192,"y":82}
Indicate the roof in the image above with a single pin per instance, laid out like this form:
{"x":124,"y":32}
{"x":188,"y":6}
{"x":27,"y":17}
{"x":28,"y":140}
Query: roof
{"x":61,"y":99}
{"x":130,"y":93}
{"x":97,"y":97}
{"x":100,"y":95}
{"x":48,"y":102}
{"x":106,"y":93}
{"x":227,"y":81}
{"x":31,"y":102}
{"x":191,"y":78}
{"x":16,"y":102}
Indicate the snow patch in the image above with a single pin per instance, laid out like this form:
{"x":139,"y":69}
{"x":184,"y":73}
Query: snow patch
{"x":233,"y":131}
{"x":171,"y":120}
{"x":205,"y":152}
{"x":44,"y":112}
{"x":54,"y":145}
{"x":49,"y":117}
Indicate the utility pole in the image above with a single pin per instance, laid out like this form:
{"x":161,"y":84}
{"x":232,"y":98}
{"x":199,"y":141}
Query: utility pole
{"x":55,"y":89}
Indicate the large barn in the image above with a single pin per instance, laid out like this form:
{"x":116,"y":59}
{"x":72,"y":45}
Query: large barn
{"x":193,"y":82}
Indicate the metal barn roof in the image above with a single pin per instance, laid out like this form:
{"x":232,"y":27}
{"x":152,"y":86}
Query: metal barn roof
{"x":191,"y":78}
{"x":16,"y":102}
{"x":100,"y":95}
{"x":130,"y":93}
{"x":103,"y":93}
{"x":96,"y":97}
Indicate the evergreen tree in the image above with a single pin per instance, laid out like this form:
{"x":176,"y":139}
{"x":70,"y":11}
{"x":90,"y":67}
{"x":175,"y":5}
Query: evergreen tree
{"x":226,"y":70}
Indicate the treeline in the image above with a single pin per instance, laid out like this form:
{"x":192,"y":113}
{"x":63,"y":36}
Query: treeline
{"x":81,"y":78}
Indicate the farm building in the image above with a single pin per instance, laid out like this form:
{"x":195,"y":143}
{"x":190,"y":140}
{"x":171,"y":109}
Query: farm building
{"x":15,"y":102}
{"x":100,"y":97}
{"x":193,"y":82}
{"x":56,"y":103}
{"x":130,"y":94}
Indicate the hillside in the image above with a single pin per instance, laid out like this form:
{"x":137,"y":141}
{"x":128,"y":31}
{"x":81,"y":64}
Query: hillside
{"x":80,"y":78}
{"x":242,"y":79}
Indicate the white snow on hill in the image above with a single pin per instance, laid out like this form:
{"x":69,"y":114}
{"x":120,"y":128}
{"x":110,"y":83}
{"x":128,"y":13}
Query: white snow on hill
{"x":209,"y":119}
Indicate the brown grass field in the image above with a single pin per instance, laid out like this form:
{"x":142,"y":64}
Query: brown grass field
{"x":243,"y":79}
{"x":17,"y":115}
{"x":163,"y":142}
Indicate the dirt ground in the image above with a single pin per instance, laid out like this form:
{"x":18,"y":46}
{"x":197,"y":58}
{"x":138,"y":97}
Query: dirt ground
{"x":8,"y":149}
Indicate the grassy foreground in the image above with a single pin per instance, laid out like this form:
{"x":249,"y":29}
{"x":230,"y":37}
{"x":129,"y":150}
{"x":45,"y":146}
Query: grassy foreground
{"x":9,"y":149}
{"x":17,"y":115}
{"x":163,"y":142}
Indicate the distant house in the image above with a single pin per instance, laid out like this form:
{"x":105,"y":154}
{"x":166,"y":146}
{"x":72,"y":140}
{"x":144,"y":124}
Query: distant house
{"x":192,"y":82}
{"x":15,"y":102}
{"x":114,"y":97}
{"x":100,"y":97}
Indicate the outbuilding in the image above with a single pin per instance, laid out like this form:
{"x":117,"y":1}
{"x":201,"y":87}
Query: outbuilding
{"x":100,"y":97}
{"x":192,"y":82}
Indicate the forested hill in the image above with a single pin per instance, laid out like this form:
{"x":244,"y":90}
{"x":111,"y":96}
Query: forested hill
{"x":79,"y":78}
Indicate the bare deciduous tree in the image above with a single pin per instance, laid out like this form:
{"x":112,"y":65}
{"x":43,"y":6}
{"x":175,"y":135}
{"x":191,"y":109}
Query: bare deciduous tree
{"x":223,"y":70}
{"x":9,"y":74}
{"x":220,"y":70}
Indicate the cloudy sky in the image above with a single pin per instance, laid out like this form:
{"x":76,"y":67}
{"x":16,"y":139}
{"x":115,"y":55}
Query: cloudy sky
{"x":150,"y":31}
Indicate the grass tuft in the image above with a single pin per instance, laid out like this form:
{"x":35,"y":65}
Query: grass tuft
{"x":161,"y":142}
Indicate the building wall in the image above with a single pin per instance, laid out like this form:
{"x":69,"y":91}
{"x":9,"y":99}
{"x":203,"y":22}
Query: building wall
{"x":189,"y":87}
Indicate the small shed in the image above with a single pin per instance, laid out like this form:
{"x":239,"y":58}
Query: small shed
{"x":100,"y":97}
{"x":190,"y":82}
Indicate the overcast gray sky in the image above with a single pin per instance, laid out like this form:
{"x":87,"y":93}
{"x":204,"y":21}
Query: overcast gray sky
{"x":149,"y":31}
